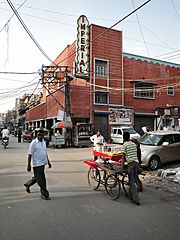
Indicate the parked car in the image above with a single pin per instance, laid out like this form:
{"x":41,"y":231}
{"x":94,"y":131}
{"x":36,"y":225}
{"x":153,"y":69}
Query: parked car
{"x":159,"y":147}
{"x":117,"y":134}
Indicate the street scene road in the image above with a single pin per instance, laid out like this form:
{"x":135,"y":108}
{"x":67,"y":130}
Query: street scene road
{"x":75,"y":211}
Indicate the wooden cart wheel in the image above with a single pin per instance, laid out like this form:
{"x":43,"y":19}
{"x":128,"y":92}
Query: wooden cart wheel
{"x":112,"y":187}
{"x":94,"y":178}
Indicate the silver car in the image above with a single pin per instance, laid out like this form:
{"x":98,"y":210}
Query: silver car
{"x":159,"y":147}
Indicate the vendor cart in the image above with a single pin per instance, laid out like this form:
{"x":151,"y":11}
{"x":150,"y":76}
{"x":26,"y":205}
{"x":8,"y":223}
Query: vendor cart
{"x":58,"y":141}
{"x":106,"y":171}
{"x":81,"y":134}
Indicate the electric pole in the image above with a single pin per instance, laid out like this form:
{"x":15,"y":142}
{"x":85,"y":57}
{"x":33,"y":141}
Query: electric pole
{"x":58,"y":75}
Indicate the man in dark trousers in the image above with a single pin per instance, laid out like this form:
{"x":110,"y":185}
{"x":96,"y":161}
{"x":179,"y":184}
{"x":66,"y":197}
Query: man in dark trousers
{"x":129,"y":151}
{"x":139,"y":182}
{"x":38,"y":154}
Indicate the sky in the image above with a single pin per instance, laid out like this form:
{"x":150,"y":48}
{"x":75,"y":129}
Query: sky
{"x":153,"y":31}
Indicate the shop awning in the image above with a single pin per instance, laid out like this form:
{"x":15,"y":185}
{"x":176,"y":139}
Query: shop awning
{"x":62,"y":124}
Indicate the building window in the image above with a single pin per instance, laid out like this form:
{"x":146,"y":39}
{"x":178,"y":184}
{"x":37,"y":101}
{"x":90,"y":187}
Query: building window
{"x":144,"y":90}
{"x":170,"y":91}
{"x":101,"y":68}
{"x":101,"y":97}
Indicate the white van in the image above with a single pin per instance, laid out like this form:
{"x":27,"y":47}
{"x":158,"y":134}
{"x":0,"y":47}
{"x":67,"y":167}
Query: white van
{"x":117,"y":134}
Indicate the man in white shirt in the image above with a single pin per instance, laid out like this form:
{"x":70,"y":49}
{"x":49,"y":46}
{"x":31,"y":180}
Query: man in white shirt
{"x":5,"y":133}
{"x":38,"y":154}
{"x":97,"y":140}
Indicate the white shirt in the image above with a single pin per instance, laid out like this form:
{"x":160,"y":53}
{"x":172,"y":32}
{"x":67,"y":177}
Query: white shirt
{"x":5,"y":133}
{"x":97,"y":140}
{"x":38,"y":151}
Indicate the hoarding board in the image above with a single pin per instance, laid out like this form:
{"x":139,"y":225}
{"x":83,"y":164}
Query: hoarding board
{"x":121,"y":116}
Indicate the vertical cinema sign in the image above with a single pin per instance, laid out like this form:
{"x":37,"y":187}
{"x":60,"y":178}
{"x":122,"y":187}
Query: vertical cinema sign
{"x":82,"y":48}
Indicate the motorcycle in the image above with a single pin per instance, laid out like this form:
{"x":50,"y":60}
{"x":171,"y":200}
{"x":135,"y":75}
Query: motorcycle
{"x":5,"y":141}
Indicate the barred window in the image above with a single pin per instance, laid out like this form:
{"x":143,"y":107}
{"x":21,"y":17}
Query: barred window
{"x":144,"y":90}
{"x":101,"y":68}
{"x":170,"y":91}
{"x":101,"y":97}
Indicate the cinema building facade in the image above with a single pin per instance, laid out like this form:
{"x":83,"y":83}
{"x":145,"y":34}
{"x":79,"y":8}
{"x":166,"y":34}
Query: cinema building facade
{"x":104,"y":86}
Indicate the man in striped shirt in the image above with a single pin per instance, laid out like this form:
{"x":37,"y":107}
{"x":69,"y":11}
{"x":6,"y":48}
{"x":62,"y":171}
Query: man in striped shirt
{"x":130,"y":155}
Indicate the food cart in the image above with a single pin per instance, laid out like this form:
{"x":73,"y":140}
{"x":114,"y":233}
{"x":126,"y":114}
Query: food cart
{"x":81,"y":134}
{"x":58,"y":140}
{"x":107,"y":171}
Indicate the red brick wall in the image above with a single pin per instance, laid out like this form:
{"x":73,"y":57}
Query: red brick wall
{"x":67,"y":57}
{"x":38,"y":112}
{"x":150,"y":72}
{"x":108,"y":46}
{"x":53,"y":106}
{"x":80,"y":101}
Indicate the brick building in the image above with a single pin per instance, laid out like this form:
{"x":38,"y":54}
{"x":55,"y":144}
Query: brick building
{"x":104,"y":81}
{"x":154,"y":90}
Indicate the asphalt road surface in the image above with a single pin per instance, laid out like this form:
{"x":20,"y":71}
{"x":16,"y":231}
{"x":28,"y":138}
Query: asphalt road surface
{"x":75,"y":211}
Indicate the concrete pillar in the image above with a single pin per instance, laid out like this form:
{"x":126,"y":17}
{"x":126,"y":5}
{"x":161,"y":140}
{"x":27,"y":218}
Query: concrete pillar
{"x":41,"y":125}
{"x":54,"y":121}
{"x":45,"y":123}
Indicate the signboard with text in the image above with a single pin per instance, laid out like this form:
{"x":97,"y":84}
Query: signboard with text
{"x":82,"y":48}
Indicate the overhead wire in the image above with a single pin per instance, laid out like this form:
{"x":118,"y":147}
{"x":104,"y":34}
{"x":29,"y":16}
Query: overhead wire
{"x":18,"y":90}
{"x":140,"y":29}
{"x":6,"y":27}
{"x":43,"y":10}
{"x":66,"y":14}
{"x":13,"y":15}
{"x":94,"y":18}
{"x":177,"y":13}
{"x":30,"y":102}
{"x":101,"y":34}
{"x":27,"y":30}
{"x":42,"y":18}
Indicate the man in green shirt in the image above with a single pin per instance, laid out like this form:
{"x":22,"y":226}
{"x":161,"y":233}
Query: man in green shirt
{"x":130,"y":155}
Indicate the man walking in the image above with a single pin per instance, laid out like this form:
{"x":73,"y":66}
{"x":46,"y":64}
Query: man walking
{"x":38,"y":154}
{"x":129,"y":151}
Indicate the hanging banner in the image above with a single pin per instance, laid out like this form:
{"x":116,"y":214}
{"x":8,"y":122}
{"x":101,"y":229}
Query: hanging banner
{"x":82,"y":48}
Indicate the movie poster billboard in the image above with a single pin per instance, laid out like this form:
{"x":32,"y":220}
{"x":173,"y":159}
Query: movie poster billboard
{"x":121,"y":116}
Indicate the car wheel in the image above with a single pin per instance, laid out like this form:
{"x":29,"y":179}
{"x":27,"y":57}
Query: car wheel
{"x":154,"y":163}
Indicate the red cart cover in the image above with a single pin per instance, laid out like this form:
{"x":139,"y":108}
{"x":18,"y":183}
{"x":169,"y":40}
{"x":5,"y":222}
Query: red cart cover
{"x":105,"y":155}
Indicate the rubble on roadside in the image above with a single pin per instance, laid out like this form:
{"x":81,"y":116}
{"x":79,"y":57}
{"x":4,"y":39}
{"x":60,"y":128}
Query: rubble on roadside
{"x":164,"y":179}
